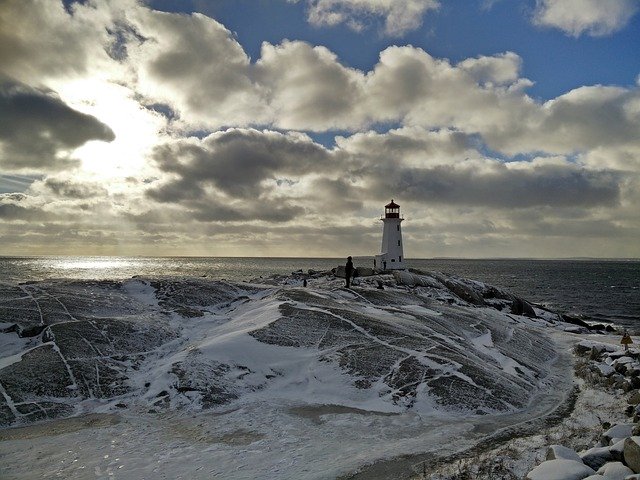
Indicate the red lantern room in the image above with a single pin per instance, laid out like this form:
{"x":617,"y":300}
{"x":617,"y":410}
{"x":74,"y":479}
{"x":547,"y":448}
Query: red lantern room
{"x":392,"y":210}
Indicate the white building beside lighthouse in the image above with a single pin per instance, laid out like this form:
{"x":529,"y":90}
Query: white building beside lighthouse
{"x":391,"y":256}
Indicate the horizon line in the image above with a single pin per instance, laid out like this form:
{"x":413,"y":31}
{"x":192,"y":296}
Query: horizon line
{"x":319,"y":257}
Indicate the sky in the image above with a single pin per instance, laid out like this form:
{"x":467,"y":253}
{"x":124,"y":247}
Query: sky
{"x":503,"y":128}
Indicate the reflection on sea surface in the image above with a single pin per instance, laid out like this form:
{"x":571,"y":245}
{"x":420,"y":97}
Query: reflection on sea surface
{"x":92,"y":264}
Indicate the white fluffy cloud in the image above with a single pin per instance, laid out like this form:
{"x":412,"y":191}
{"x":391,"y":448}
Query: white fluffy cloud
{"x":307,"y":88}
{"x":194,"y":64}
{"x":40,"y":40}
{"x":399,"y":16}
{"x":593,"y":17}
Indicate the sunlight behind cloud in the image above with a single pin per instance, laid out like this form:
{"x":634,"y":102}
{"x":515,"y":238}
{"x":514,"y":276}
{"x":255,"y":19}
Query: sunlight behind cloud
{"x":136,"y":128}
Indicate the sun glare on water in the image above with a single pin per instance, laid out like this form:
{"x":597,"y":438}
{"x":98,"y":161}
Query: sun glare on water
{"x":96,"y":264}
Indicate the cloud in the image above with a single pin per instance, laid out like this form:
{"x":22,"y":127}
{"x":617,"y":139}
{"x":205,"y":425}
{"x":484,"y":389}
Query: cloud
{"x":21,"y":207}
{"x":501,"y":69}
{"x":73,"y":189}
{"x":445,"y":167}
{"x":222,"y":176}
{"x":238,"y":161}
{"x":592,"y":17}
{"x":584,"y":119}
{"x":399,"y":16}
{"x":437,"y":135}
{"x":194,"y":64}
{"x":408,"y":146}
{"x":38,"y":131}
{"x":237,"y":174}
{"x":40,"y":40}
{"x":307,"y":88}
{"x":501,"y":186}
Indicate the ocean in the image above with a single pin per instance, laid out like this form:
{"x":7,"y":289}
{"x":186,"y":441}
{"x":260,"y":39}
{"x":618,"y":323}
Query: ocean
{"x":600,"y":290}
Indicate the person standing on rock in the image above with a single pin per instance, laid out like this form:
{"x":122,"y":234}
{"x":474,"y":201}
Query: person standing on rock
{"x":348,"y":271}
{"x":626,"y":340}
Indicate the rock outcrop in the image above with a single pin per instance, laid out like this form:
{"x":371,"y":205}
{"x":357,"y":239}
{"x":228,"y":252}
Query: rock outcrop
{"x":202,"y":343}
{"x":617,"y":455}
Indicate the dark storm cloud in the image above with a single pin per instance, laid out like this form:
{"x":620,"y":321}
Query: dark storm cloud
{"x":235,"y":162}
{"x":498,"y":186}
{"x":37,"y":128}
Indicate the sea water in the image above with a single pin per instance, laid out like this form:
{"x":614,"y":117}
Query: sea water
{"x":602,"y":290}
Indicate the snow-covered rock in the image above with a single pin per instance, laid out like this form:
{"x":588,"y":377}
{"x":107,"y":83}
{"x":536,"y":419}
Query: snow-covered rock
{"x":586,"y":346}
{"x":615,"y":471}
{"x":560,"y":469}
{"x":557,"y":452}
{"x":203,"y":343}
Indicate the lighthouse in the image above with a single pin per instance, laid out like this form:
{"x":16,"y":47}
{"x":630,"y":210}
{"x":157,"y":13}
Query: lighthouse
{"x":391,"y":256}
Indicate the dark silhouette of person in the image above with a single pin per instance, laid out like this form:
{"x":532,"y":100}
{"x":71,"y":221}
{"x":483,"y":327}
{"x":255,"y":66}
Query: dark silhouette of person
{"x":348,"y":271}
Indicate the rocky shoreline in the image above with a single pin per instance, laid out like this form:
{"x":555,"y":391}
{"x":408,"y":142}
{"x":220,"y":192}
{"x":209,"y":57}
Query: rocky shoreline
{"x":617,"y":453}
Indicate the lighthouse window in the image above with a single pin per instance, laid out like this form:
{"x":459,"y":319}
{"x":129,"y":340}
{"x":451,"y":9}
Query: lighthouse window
{"x":398,"y":227}
{"x":398,"y":242}
{"x":393,"y":260}
{"x":400,"y":258}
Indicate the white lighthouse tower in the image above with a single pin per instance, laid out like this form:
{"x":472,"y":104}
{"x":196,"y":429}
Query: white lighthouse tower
{"x":391,"y":256}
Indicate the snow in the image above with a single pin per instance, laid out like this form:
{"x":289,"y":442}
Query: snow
{"x":142,"y":291}
{"x":484,"y":343}
{"x":293,"y":411}
{"x":560,"y":470}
